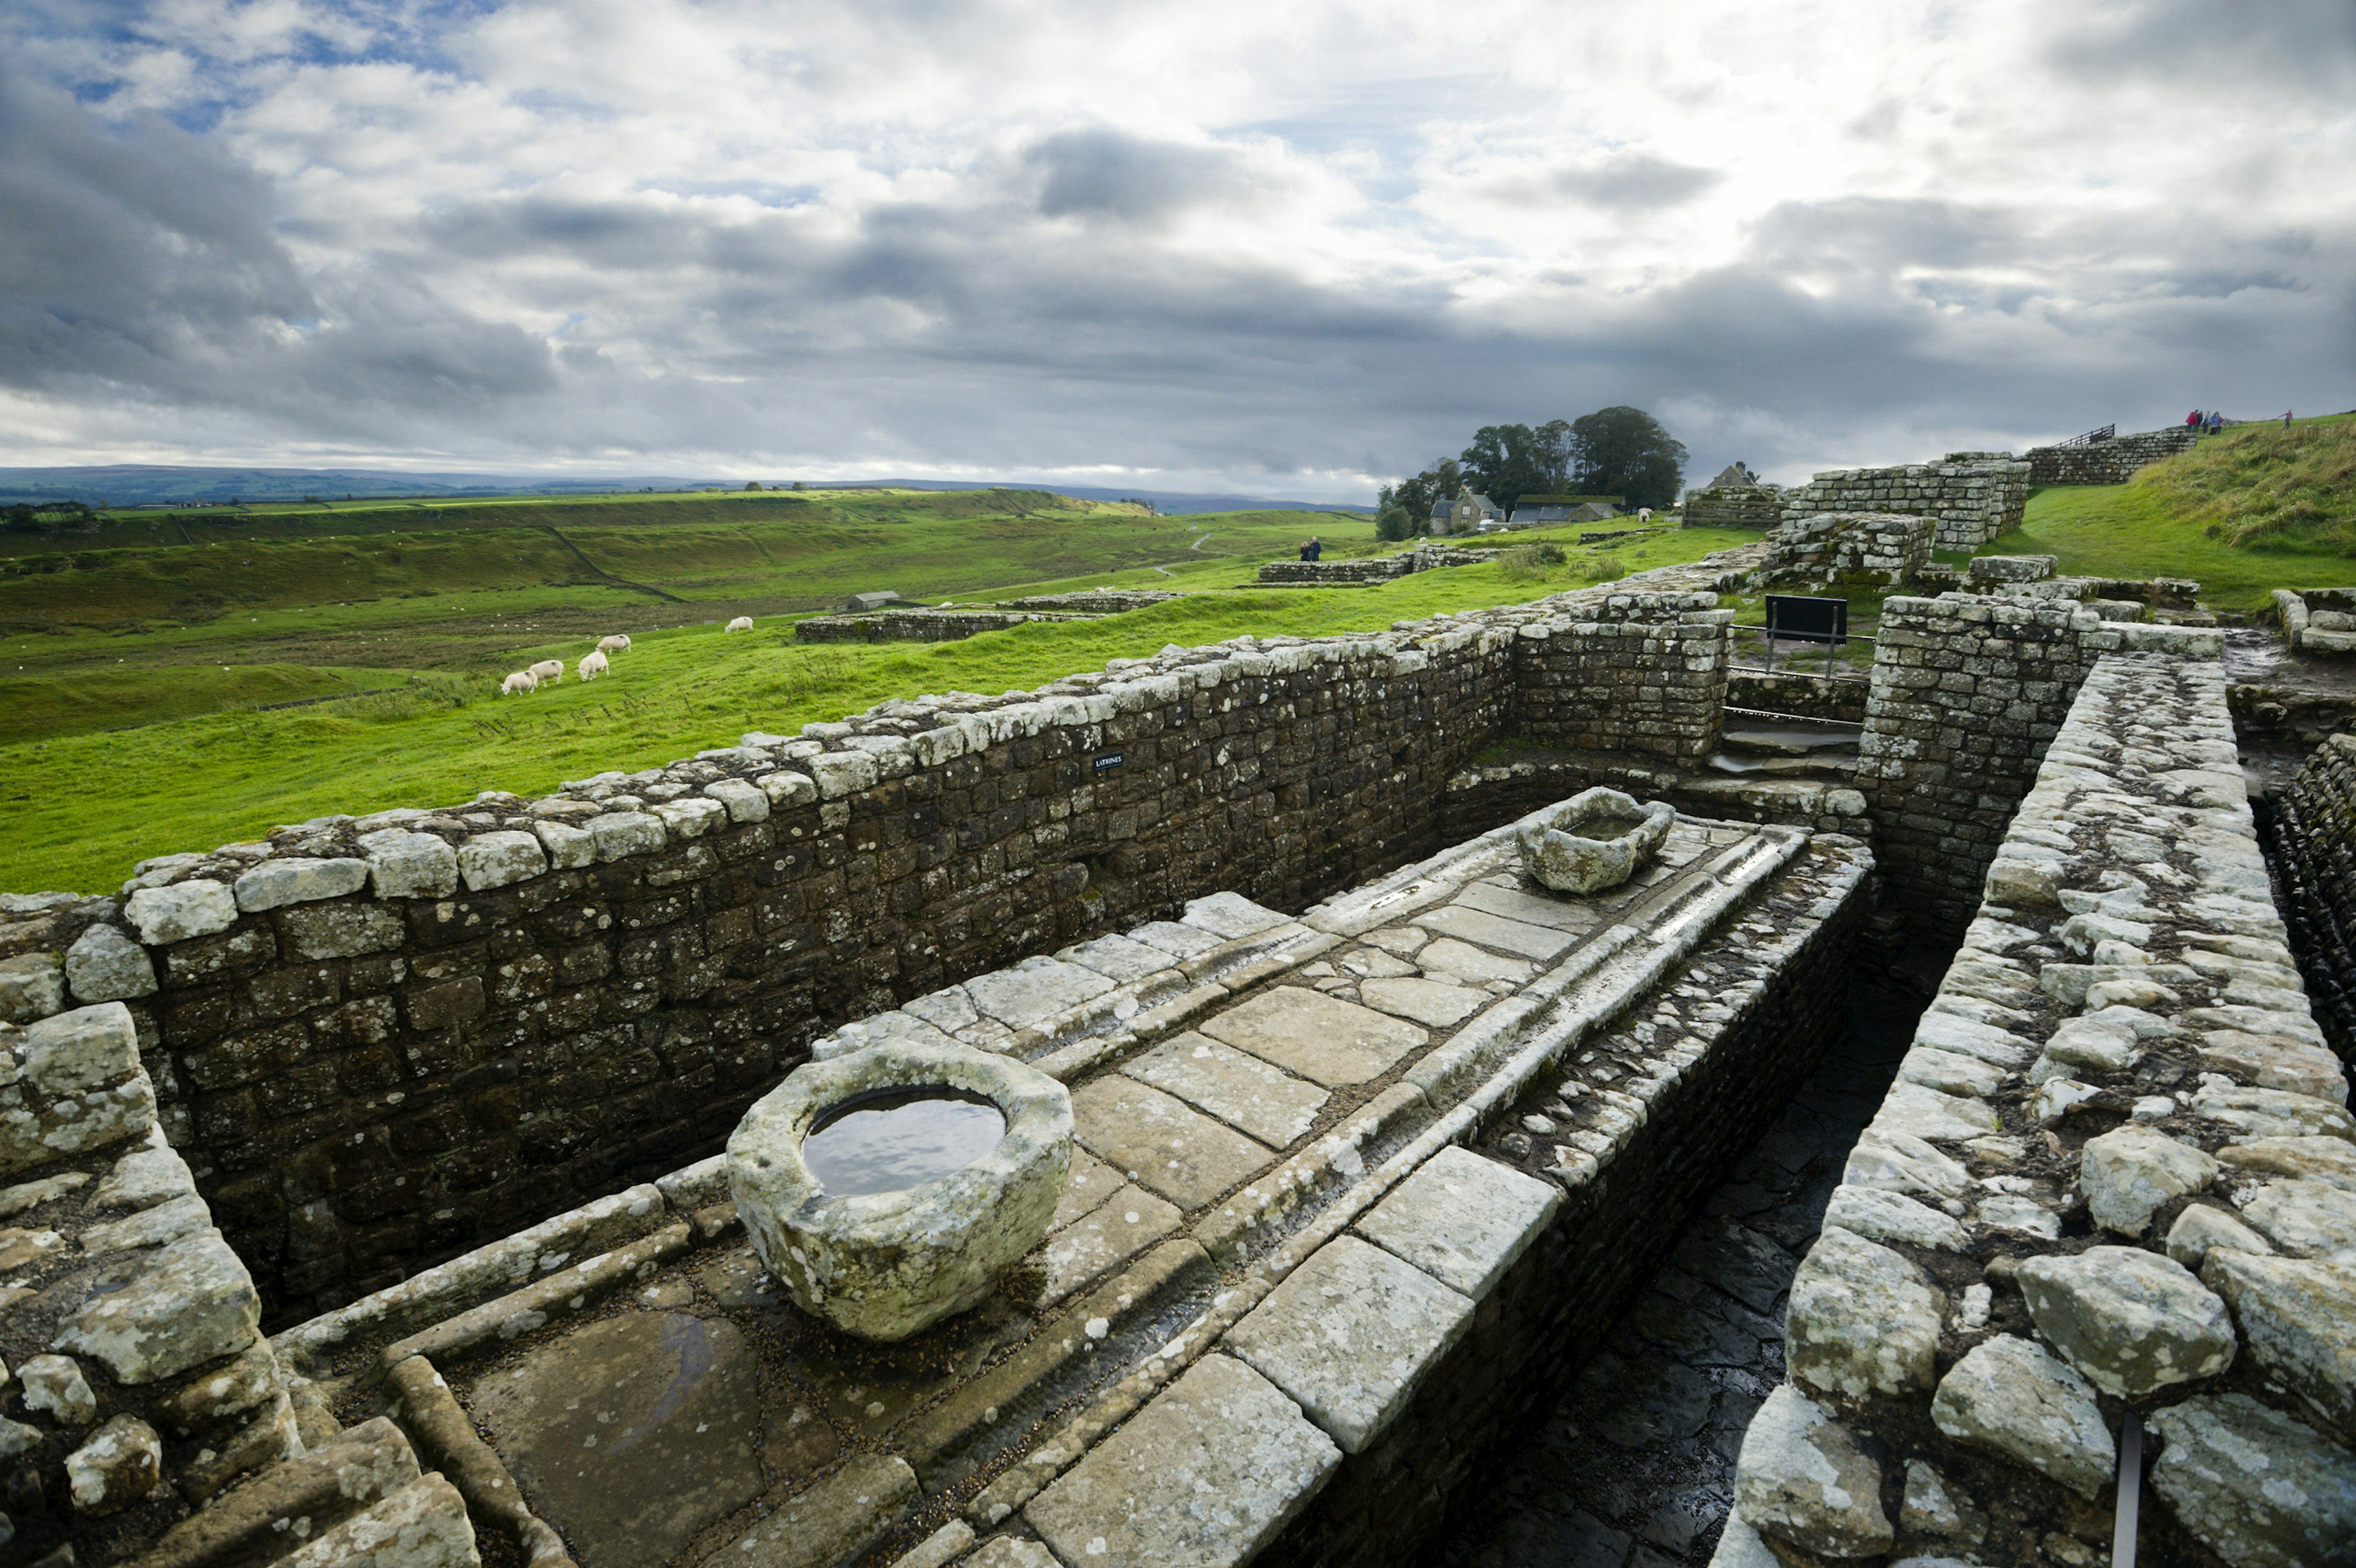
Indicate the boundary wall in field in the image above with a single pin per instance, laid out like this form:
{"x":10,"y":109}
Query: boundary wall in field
{"x":2111,"y":462}
{"x":381,"y":1040}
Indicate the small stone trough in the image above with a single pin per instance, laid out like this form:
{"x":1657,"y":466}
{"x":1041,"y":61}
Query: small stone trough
{"x":886,"y":1264}
{"x":1594,"y":841}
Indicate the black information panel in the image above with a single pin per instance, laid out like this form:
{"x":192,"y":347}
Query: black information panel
{"x":1791,"y":619}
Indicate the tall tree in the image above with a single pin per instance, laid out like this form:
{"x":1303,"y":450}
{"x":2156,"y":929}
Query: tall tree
{"x":1625,"y":452}
{"x":1507,"y":461}
{"x":1439,"y":483}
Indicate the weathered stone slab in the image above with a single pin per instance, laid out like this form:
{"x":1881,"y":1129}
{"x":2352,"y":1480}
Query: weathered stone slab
{"x":423,"y":1525}
{"x":1088,"y":1183}
{"x":1432,"y":1003}
{"x":1329,"y":1041}
{"x":1463,"y":961}
{"x":1349,"y":1334}
{"x":1900,"y":1162}
{"x":2252,"y":1485}
{"x":1242,"y":1091}
{"x":1160,"y":1143}
{"x":1229,"y":915}
{"x":2272,"y":1062}
{"x":1885,"y":1216}
{"x":406,"y":865}
{"x":1118,"y":958}
{"x":1862,"y":1319}
{"x":2306,"y":1219}
{"x":32,"y":985}
{"x":275,"y":883}
{"x":1202,"y":1477}
{"x":1806,"y":1480}
{"x":184,"y":910}
{"x":2325,"y":1160}
{"x":1176,"y":939}
{"x":182,"y":1305}
{"x":1462,"y":1219}
{"x":632,"y":1433}
{"x":2011,"y":1396}
{"x":342,"y":931}
{"x":2299,"y":1319}
{"x":2201,"y":1229}
{"x":2130,"y":1174}
{"x":2132,"y":1321}
{"x":1930,"y":1115}
{"x":830,"y":1521}
{"x":1033,"y":990}
{"x":1109,"y":1235}
{"x":104,"y":965}
{"x":1535,"y":942}
{"x":2274,"y":1113}
{"x":1573,"y":915}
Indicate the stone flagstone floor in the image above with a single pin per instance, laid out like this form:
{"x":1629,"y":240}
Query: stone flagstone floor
{"x":1635,"y":1470}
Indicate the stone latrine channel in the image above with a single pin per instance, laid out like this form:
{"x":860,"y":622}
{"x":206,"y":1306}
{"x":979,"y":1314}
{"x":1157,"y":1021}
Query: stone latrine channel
{"x":1363,"y":1194}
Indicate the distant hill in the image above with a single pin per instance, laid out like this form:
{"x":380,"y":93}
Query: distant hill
{"x":144,"y":484}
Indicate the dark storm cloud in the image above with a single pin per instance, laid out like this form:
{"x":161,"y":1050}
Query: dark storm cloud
{"x":126,"y":256}
{"x":1634,"y":181}
{"x":143,"y":260}
{"x":1102,"y":173}
{"x":2276,"y":45}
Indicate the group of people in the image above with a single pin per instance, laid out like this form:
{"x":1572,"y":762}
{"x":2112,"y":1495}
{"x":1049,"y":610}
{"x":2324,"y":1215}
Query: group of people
{"x":2212,"y":422}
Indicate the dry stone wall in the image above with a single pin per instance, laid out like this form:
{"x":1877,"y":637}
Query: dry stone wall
{"x":2115,"y":1180}
{"x":1966,"y":693}
{"x":2312,"y":832}
{"x":1970,"y":496}
{"x":2105,"y":461}
{"x":381,"y":1040}
{"x":1847,"y":550}
{"x":1647,"y":677}
{"x":1734,"y":506}
{"x":914,"y":625}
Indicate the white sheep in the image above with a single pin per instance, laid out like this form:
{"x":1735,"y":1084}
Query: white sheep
{"x":612,"y":644}
{"x":516,"y":684}
{"x":593,"y":665}
{"x":1644,"y":514}
{"x":550,"y":670}
{"x":741,"y":624}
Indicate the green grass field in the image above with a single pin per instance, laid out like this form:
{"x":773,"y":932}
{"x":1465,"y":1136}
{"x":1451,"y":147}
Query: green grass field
{"x":130,"y":733}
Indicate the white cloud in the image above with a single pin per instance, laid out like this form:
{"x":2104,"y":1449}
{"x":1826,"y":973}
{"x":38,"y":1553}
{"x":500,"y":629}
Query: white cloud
{"x":1285,"y":247}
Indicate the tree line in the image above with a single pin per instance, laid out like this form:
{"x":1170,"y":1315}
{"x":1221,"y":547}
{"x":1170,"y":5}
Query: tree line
{"x":1617,"y":451}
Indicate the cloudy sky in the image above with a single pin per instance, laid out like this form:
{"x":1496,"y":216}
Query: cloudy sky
{"x":1283,"y":246}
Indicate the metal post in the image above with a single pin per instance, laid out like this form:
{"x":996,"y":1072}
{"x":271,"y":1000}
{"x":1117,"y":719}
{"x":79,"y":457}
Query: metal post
{"x":2122,"y":1533}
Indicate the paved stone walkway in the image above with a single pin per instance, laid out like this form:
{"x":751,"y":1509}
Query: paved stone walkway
{"x":1635,"y":1470}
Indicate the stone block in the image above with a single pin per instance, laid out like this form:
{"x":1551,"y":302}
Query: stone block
{"x":2011,"y":1396}
{"x":1242,"y":1091}
{"x":1862,"y":1319}
{"x":1204,"y":1476}
{"x":104,"y":965}
{"x":2130,"y":1174}
{"x":423,"y":1525}
{"x":341,"y":930}
{"x":621,"y":833}
{"x":32,"y":985}
{"x":2306,"y":1219}
{"x":568,"y":848}
{"x":1162,"y":1143}
{"x":118,"y":1467}
{"x":1349,"y":1335}
{"x":500,"y":859}
{"x":65,"y":1053}
{"x":2252,"y":1484}
{"x":184,"y":910}
{"x":1306,"y":1032}
{"x":409,"y":865}
{"x":276,"y":883}
{"x":2133,"y":1322}
{"x":2299,"y":1319}
{"x":1107,"y":1233}
{"x":188,"y":1303}
{"x":1806,"y":1480}
{"x":1463,"y":1219}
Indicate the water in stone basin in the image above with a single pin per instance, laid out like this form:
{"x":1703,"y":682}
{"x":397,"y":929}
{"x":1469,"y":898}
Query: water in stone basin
{"x":899,"y":1138}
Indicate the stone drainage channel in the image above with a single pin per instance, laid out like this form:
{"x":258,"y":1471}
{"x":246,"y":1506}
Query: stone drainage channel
{"x":1636,"y":1467}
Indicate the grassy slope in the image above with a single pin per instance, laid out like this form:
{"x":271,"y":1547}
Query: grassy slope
{"x":2267,"y":486}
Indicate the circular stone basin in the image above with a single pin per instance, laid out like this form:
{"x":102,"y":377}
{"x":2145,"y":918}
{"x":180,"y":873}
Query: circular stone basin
{"x":1594,"y":841}
{"x":876,"y":1190}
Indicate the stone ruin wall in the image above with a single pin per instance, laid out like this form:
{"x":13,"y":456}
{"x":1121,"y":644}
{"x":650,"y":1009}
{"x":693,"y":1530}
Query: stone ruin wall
{"x":380,"y":1041}
{"x":2113,"y":1182}
{"x":2109,"y":462}
{"x":1848,"y":549}
{"x":1970,"y":497}
{"x":2312,"y":831}
{"x":1967,"y":692}
{"x":914,"y":625}
{"x":1734,"y":506}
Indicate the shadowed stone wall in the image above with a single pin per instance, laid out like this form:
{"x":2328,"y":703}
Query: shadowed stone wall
{"x":2105,"y":461}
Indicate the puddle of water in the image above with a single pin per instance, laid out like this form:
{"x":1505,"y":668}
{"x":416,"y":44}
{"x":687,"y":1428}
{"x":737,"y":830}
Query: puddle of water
{"x":899,"y":1138}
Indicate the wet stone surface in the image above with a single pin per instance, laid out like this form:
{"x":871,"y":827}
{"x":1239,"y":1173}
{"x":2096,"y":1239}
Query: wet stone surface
{"x":1635,"y":1470}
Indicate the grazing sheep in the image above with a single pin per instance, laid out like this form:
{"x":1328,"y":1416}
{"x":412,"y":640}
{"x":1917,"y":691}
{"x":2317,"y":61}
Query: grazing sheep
{"x":592,"y":666}
{"x":549,"y":670}
{"x":612,"y":644}
{"x":741,"y":624}
{"x":1644,"y":514}
{"x":516,"y":684}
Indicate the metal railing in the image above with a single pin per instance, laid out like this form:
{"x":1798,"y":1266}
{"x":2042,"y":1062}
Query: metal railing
{"x":2092,"y":438}
{"x":1836,"y":651}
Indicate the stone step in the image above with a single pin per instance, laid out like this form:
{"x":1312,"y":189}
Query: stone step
{"x":1827,"y":768}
